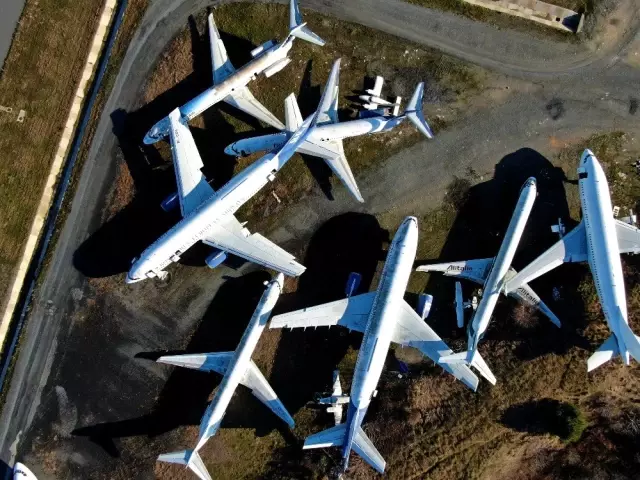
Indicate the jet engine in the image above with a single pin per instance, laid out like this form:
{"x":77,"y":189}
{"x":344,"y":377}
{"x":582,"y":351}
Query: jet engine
{"x":170,"y":203}
{"x":216,"y":258}
{"x":276,"y":67}
{"x":262,"y":48}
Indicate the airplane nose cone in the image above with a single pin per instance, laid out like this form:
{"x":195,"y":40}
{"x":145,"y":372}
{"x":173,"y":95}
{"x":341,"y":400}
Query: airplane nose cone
{"x":531,"y":181}
{"x":586,"y":155}
{"x":411,"y":222}
{"x":280,"y":280}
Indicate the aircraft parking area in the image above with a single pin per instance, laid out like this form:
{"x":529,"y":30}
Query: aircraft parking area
{"x":88,"y":399}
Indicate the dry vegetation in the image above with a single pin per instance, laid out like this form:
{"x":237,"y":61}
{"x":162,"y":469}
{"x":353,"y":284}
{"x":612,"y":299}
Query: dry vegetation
{"x":40,"y":75}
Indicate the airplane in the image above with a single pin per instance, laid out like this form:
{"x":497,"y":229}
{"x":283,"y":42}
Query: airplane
{"x":492,"y":273}
{"x":21,"y":472}
{"x":326,"y":140}
{"x":230,"y":85}
{"x":384,"y":317}
{"x":599,"y":239}
{"x":209,"y":215}
{"x":237,"y":368}
{"x":373,"y":101}
{"x":337,"y":400}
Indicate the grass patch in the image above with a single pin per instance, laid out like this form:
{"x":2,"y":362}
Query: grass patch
{"x":40,"y":75}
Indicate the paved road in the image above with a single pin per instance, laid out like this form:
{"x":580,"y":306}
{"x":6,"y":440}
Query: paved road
{"x":10,"y":11}
{"x":91,"y":355}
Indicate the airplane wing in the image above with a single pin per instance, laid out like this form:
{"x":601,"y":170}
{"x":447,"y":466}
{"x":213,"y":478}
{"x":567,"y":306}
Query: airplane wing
{"x":526,"y":295}
{"x":328,"y":108}
{"x":229,"y":235}
{"x":474,"y":270}
{"x":332,"y":152}
{"x":351,"y":313}
{"x":628,"y":237}
{"x":244,"y":100}
{"x":411,"y":330}
{"x":570,"y":248}
{"x":193,"y":188}
{"x":375,"y":92}
{"x":261,"y":389}
{"x":292,"y":115}
{"x":207,"y":362}
{"x":222,"y":67}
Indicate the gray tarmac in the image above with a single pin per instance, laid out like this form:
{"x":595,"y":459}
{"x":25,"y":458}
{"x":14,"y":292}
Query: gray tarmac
{"x":10,"y":11}
{"x":77,"y":364}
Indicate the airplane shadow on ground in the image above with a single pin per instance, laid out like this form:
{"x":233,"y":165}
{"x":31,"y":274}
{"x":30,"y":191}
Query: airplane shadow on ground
{"x":484,"y":211}
{"x":5,"y":470}
{"x":303,"y":361}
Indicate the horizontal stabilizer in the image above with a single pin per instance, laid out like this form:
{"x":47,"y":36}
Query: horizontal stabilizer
{"x":299,"y":29}
{"x":367,"y":450}
{"x":455,"y":358}
{"x":414,"y":112}
{"x":631,"y":341}
{"x":478,"y":362}
{"x":292,"y":115}
{"x":332,"y":437}
{"x":207,"y":362}
{"x":189,"y":458}
{"x":607,"y":351}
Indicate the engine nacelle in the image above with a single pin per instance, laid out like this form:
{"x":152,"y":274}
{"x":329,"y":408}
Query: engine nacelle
{"x":353,"y":282}
{"x":170,"y":203}
{"x":424,"y":305}
{"x":216,"y":258}
{"x":262,"y":48}
{"x":276,"y":67}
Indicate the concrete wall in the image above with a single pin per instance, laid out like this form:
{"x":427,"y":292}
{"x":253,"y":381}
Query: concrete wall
{"x":536,"y":11}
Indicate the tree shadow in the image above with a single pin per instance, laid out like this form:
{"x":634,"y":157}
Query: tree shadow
{"x":305,"y":359}
{"x":186,"y":392}
{"x":540,"y":417}
{"x":483,"y":213}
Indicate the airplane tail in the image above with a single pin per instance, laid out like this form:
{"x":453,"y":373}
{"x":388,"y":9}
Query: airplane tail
{"x":337,"y":436}
{"x":299,"y":29}
{"x":474,"y":359}
{"x":191,"y":459}
{"x":629,"y":343}
{"x":414,"y":112}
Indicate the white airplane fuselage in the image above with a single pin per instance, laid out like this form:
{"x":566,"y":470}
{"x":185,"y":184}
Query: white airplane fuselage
{"x":194,"y":226}
{"x":494,"y":284}
{"x":320,"y":134}
{"x":381,"y":324}
{"x":215,"y":94}
{"x":239,"y":362}
{"x":602,"y":244}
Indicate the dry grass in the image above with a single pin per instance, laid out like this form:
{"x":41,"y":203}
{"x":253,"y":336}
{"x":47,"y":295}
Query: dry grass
{"x":40,"y":75}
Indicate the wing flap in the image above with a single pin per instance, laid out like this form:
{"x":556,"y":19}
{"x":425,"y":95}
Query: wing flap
{"x":243,"y":99}
{"x":352,"y":313}
{"x":193,"y":188}
{"x":261,"y":389}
